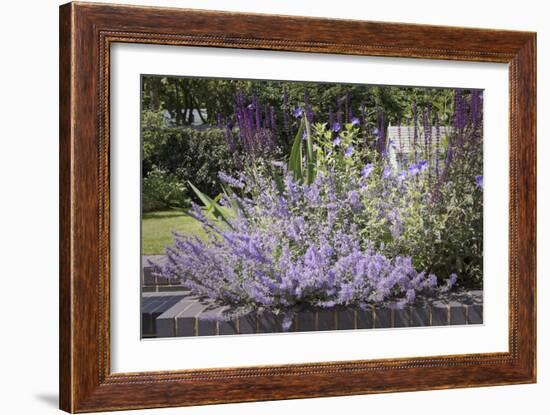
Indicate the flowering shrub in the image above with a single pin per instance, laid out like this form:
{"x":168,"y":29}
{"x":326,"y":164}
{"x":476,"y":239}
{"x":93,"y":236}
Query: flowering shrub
{"x":290,"y":250}
{"x":336,"y":221}
{"x":161,"y":190}
{"x":429,"y":207}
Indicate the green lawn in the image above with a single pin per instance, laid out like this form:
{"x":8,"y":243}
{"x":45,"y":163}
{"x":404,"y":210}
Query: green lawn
{"x":157,"y":229}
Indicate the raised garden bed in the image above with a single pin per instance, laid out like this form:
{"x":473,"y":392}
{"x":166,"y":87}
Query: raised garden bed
{"x":179,"y":314}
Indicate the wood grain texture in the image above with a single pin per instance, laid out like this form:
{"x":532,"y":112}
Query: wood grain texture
{"x":86,"y":33}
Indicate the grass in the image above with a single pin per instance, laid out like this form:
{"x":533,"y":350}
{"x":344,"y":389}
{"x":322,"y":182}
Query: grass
{"x":157,"y":227}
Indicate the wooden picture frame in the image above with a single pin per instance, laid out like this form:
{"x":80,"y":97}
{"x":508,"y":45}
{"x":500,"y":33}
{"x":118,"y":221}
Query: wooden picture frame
{"x":86,"y":33}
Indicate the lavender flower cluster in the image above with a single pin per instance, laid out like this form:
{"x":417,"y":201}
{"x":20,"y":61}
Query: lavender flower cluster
{"x":356,"y":233}
{"x":290,"y":249}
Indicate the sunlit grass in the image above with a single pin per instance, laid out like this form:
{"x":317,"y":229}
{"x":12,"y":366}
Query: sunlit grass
{"x":157,"y":227}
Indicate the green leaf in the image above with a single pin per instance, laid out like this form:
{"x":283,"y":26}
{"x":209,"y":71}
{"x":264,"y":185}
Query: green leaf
{"x":234,"y":201}
{"x":212,"y":204}
{"x":219,"y":212}
{"x":310,"y":156}
{"x":295,"y":160}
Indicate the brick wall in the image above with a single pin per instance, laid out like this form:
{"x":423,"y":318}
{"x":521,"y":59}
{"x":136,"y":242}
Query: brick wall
{"x":170,"y":311}
{"x":181,"y":315}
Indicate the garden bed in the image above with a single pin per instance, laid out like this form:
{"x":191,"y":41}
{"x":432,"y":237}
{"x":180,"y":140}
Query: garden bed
{"x":179,"y":314}
{"x":171,"y":311}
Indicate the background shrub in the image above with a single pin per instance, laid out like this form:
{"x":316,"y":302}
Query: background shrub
{"x":185,"y":154}
{"x":162,"y":190}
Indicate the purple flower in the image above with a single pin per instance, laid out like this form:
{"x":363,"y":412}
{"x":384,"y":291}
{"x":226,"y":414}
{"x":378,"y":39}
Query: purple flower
{"x":413,"y":170}
{"x":355,"y":201}
{"x":336,"y":127}
{"x":367,"y":170}
{"x":450,"y":283}
{"x":479,"y":182}
{"x":231,"y":181}
{"x":282,"y":251}
{"x":422,"y":165}
{"x":349,"y":151}
{"x":355,"y":121}
{"x":337,"y":141}
{"x":431,"y":281}
{"x":386,"y":172}
{"x":297,"y":112}
{"x":401,"y":176}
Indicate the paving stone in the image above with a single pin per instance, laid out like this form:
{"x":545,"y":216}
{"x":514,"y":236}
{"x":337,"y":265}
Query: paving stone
{"x":208,"y":321}
{"x":169,"y":288}
{"x":148,"y":277}
{"x":147,"y":307}
{"x":420,"y":316}
{"x":227,"y":328}
{"x":268,"y":323}
{"x":345,"y":318}
{"x":402,"y":317}
{"x":382,"y":318}
{"x":326,"y":319}
{"x":475,"y":314}
{"x":440,"y":313}
{"x":457,"y":313}
{"x":365,"y":318}
{"x":464,"y":308}
{"x":158,"y":295}
{"x":162,"y":280}
{"x":293,"y":326}
{"x":166,"y":322}
{"x":247,"y":324}
{"x":306,"y":321}
{"x":186,"y":322}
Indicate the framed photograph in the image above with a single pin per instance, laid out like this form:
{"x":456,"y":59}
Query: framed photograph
{"x":252,"y":208}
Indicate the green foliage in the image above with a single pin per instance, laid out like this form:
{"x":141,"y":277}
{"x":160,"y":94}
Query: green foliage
{"x":439,"y":225}
{"x":213,"y":207}
{"x":180,"y":96}
{"x":295,"y":160}
{"x":185,"y":153}
{"x":153,"y":137}
{"x":162,"y":190}
{"x":157,"y":228}
{"x":435,"y":218}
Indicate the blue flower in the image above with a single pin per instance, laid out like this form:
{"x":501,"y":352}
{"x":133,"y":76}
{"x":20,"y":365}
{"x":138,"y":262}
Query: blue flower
{"x":413,"y":169}
{"x":355,"y":121}
{"x":297,"y":112}
{"x":337,"y":141}
{"x":336,"y":127}
{"x":386,"y":173}
{"x":479,"y":182}
{"x":375,"y":131}
{"x":367,"y":170}
{"x":422,"y":165}
{"x":401,"y":176}
{"x":349,"y":151}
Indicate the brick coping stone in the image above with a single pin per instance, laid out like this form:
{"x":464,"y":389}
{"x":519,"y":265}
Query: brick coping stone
{"x":179,"y":314}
